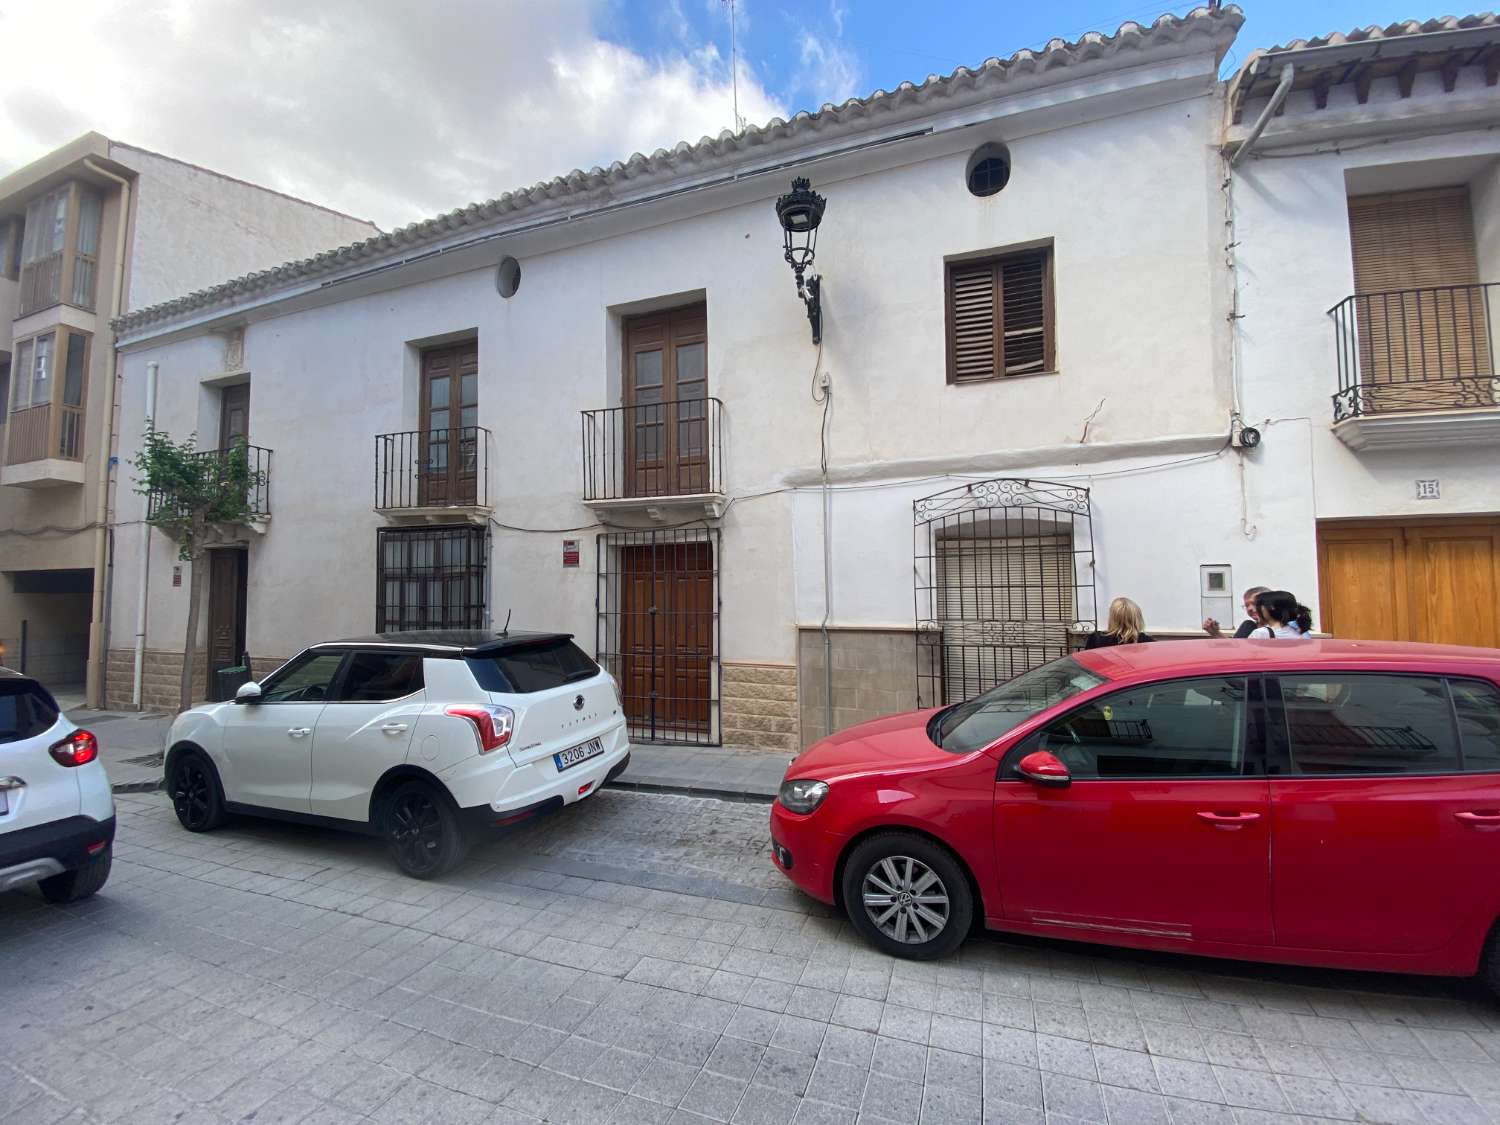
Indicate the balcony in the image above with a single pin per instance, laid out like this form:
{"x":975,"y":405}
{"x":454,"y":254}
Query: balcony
{"x":434,"y":476}
{"x":249,"y":464}
{"x":1417,"y":368}
{"x":45,"y":449}
{"x":662,"y":459}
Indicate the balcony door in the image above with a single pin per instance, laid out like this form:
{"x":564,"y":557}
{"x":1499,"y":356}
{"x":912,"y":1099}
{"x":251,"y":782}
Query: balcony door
{"x":234,"y":416}
{"x":1424,"y":332}
{"x":448,"y":444}
{"x":666,"y":407}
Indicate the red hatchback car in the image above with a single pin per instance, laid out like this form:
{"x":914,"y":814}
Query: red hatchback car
{"x":1316,"y":803}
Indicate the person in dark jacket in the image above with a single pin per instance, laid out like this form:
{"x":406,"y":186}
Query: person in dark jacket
{"x":1247,"y":626}
{"x":1127,"y":626}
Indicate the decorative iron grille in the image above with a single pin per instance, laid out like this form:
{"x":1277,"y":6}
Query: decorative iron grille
{"x":1004,"y":580}
{"x":658,"y":630}
{"x":654,"y":449}
{"x":431,"y":578}
{"x":432,"y":469}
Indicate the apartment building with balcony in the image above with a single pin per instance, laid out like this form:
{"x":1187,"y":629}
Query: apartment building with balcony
{"x":88,"y":232}
{"x":1366,"y":251}
{"x":596,"y":404}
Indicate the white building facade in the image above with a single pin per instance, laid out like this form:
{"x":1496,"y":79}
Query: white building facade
{"x":1366,"y":253}
{"x":595,"y":405}
{"x":88,"y":232}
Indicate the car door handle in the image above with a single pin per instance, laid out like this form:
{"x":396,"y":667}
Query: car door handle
{"x":300,"y":732}
{"x":1229,"y":821}
{"x":1483,"y":821}
{"x":394,"y":728}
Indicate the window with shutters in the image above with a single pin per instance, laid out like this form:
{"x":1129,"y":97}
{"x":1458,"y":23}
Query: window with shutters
{"x":1000,"y":320}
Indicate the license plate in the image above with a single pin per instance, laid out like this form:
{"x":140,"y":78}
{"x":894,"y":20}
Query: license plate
{"x":567,"y":759}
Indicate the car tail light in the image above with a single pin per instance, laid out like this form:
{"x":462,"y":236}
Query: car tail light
{"x":78,"y":749}
{"x":492,"y":724}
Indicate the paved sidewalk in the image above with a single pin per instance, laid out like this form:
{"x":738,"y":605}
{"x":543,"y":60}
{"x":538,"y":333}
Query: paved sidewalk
{"x":130,"y":745}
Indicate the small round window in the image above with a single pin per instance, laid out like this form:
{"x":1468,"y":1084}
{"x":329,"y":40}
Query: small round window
{"x":508,"y":277}
{"x":989,"y":169}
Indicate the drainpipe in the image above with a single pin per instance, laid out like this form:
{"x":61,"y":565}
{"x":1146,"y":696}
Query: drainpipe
{"x":1283,"y":87}
{"x":145,"y":564}
{"x":95,"y":687}
{"x":827,"y":567}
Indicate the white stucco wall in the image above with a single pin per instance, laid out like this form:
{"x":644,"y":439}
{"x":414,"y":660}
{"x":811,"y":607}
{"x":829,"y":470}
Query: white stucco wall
{"x":1294,"y":264}
{"x":194,"y":227}
{"x":1130,"y":201}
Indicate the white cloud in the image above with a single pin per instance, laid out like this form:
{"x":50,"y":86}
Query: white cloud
{"x":836,"y":67}
{"x":381,"y":108}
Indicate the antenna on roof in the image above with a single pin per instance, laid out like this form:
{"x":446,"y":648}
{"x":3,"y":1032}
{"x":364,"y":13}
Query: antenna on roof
{"x":505,"y":629}
{"x":734,"y":67}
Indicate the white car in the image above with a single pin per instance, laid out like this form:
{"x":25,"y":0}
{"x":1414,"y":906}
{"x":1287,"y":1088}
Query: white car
{"x":430,"y":739}
{"x":57,"y":811}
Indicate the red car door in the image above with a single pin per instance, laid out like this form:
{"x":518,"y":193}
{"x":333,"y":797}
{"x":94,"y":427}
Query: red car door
{"x":1163,"y":830}
{"x":1385,"y":810}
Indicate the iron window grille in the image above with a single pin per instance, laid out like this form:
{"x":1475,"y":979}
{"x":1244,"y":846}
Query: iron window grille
{"x":431,"y":578}
{"x":658,"y":609}
{"x":1004,"y":582}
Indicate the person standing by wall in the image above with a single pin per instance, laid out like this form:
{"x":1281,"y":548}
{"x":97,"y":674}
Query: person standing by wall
{"x":1281,"y":615}
{"x":1251,"y":622}
{"x":1127,"y":626}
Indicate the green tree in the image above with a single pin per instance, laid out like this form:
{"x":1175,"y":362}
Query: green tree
{"x":194,"y":495}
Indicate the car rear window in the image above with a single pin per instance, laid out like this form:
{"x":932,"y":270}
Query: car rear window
{"x":537,"y":667}
{"x":26,"y":710}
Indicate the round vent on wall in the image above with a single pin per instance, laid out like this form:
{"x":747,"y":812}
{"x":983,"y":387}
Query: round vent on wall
{"x":508,"y":277}
{"x":989,"y":169}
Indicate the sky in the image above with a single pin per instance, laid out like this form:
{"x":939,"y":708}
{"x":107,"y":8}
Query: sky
{"x":397,"y":110}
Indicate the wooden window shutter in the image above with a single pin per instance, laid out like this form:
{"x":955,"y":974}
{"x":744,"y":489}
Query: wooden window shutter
{"x":1420,"y":314}
{"x":1000,"y":316}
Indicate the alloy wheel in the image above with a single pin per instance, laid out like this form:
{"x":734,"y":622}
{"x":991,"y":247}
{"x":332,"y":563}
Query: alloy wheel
{"x":417,"y":831}
{"x":906,"y":899}
{"x":192,"y":796}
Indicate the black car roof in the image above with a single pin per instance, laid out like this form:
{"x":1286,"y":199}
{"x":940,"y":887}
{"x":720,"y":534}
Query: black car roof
{"x":451,"y":642}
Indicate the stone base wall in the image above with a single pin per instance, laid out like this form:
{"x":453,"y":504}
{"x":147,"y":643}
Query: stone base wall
{"x":161,"y":678}
{"x":874,"y":674}
{"x":758,"y":704}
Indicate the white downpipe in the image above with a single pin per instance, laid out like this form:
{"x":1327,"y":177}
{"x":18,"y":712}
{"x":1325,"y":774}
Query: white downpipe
{"x":1283,"y":87}
{"x":145,"y":568}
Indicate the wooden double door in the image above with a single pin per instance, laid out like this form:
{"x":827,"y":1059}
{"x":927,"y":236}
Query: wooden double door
{"x":449,"y":441}
{"x":1429,"y":580}
{"x":667,"y":618}
{"x":228,"y":574}
{"x":665,"y":420}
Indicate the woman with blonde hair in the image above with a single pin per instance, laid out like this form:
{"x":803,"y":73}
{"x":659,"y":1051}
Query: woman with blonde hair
{"x":1127,"y":626}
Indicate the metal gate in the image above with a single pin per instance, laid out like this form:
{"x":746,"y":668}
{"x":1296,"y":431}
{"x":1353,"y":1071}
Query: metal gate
{"x":658,"y":630}
{"x":1004,"y":577}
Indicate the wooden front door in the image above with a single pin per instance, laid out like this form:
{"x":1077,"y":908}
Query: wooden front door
{"x":234,"y":415}
{"x":1435,"y":581}
{"x":666,"y":415}
{"x":667,"y":637}
{"x":227,"y":573}
{"x":449,"y":438}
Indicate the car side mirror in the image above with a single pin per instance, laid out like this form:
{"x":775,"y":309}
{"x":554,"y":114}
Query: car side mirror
{"x":1042,"y":768}
{"x":248,"y":693}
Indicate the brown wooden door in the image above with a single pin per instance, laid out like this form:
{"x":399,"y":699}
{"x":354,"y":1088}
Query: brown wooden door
{"x":1423,"y":322}
{"x":227,"y":574}
{"x":666,"y":636}
{"x":448,"y":444}
{"x":234,"y":415}
{"x":666,"y":390}
{"x":1436,"y":581}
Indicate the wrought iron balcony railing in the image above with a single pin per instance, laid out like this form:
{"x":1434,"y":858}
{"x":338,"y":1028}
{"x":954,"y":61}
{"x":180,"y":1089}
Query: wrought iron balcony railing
{"x":654,"y":450}
{"x":432,"y":469}
{"x":1409,"y":350}
{"x":248,"y":464}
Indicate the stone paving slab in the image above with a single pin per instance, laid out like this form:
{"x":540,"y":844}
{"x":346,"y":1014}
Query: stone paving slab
{"x":635,"y":958}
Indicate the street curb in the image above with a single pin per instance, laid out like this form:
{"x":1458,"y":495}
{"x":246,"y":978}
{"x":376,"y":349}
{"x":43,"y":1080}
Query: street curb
{"x":138,"y":786}
{"x":739,"y":795}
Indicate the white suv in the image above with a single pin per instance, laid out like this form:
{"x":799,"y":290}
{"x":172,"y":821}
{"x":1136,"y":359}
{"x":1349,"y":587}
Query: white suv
{"x":57,"y":812}
{"x":429,"y":739}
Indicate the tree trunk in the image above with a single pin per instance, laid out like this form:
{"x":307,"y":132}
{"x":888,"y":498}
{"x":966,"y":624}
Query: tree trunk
{"x":190,"y":648}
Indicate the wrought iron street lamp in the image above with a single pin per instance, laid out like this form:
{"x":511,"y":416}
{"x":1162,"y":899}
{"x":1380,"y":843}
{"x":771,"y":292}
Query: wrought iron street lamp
{"x":800,"y":212}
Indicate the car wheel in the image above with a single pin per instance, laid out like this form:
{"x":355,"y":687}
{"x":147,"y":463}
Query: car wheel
{"x":908,"y":895}
{"x":70,"y":886}
{"x":422,"y":832}
{"x":193,"y":785}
